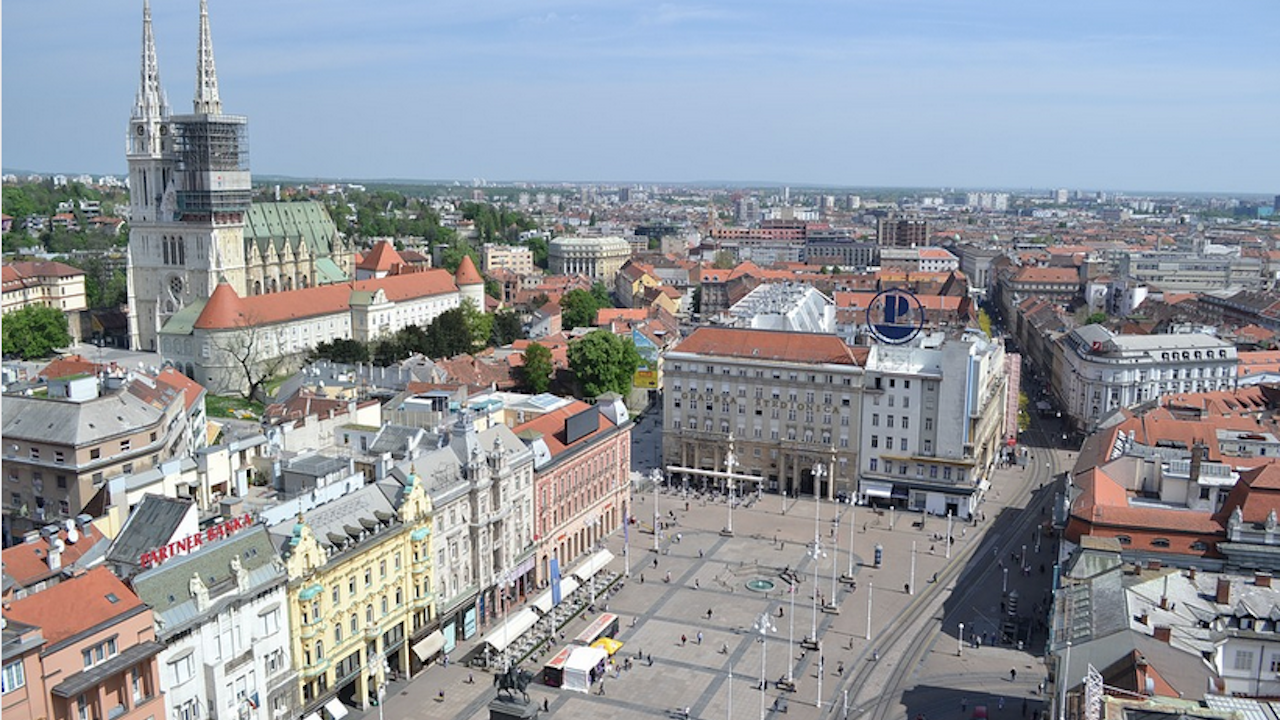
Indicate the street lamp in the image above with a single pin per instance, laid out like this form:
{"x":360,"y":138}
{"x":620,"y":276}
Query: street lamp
{"x":764,"y":626}
{"x":791,"y":632}
{"x":1004,"y":580}
{"x":657,"y":478}
{"x":960,"y":641}
{"x":835,"y":560}
{"x":853,"y":521}
{"x":947,"y":540}
{"x":816,"y":554}
{"x":870,"y":588}
{"x":730,"y":461}
{"x":911,"y":587}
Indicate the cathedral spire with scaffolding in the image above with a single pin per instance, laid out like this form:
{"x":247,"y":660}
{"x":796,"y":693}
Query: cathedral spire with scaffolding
{"x":206,"y":100}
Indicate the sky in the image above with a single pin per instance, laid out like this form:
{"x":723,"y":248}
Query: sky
{"x":1135,"y":95}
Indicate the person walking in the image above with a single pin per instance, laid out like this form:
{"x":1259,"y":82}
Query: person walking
{"x":699,"y":637}
{"x":683,"y":639}
{"x":1013,"y":674}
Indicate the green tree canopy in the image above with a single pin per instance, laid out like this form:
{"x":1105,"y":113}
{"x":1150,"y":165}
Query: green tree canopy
{"x":452,"y":256}
{"x":342,"y":350}
{"x":578,"y":308}
{"x":984,"y":321}
{"x":35,"y":331}
{"x":1097,"y":318}
{"x":537,"y":368}
{"x":507,"y":328}
{"x":604,"y":362}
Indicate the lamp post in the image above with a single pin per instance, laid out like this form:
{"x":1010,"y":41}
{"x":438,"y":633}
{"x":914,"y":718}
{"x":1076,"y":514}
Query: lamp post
{"x":816,"y":554}
{"x":764,"y":626}
{"x":911,"y":587}
{"x":730,"y":461}
{"x":853,"y":521}
{"x":729,"y":689}
{"x":657,"y":478}
{"x":870,"y":588}
{"x":1004,"y":580}
{"x":835,"y":563}
{"x":960,"y":642}
{"x":818,"y":700}
{"x":791,"y":633}
{"x":947,"y":539}
{"x":782,"y":509}
{"x":1024,"y":556}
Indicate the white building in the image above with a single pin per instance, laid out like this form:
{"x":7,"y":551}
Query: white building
{"x":795,"y":307}
{"x":481,"y":486}
{"x":209,"y":339}
{"x":221,"y":612}
{"x":599,"y":258}
{"x":932,"y":423}
{"x":919,"y":259}
{"x":1096,"y":371}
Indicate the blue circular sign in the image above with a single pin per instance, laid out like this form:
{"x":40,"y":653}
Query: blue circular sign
{"x":895,"y":316}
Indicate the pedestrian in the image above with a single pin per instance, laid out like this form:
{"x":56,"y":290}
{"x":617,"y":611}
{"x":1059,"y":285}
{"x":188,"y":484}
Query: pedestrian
{"x":700,"y":553}
{"x":649,"y":659}
{"x":470,"y":680}
{"x":641,"y":578}
{"x":964,"y":704}
{"x":708,"y":613}
{"x":699,"y":637}
{"x":840,"y":668}
{"x":440,"y":696}
{"x":697,"y":585}
{"x":683,"y":639}
{"x":724,"y":648}
{"x":546,"y":705}
{"x":602,"y":687}
{"x":1013,"y":674}
{"x":1000,"y":704}
{"x":687,"y":709}
{"x":655,"y":562}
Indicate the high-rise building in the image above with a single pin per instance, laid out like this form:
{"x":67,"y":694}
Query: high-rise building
{"x":192,"y":224}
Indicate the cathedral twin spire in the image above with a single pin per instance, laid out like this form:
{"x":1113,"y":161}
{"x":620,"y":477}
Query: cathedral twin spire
{"x":151,"y":102}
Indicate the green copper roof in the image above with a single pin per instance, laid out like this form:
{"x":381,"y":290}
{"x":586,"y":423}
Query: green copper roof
{"x":296,"y":223}
{"x":183,"y":321}
{"x":327,"y":271}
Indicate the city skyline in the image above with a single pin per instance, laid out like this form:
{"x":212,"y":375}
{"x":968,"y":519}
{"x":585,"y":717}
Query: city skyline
{"x":904,"y":94}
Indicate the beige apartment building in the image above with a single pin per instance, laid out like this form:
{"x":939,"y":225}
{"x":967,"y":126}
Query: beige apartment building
{"x":516,"y":258}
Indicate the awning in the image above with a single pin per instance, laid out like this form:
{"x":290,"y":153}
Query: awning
{"x":429,"y":645}
{"x":592,"y":565}
{"x":608,"y":645}
{"x":543,"y":601}
{"x":871,"y":488}
{"x":336,"y":709}
{"x":567,"y":586}
{"x":508,"y":632}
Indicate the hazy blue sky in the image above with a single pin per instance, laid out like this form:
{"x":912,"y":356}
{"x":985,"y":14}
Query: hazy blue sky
{"x":1082,"y":94}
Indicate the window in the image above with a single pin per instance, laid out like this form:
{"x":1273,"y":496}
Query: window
{"x":1243,"y":660}
{"x":368,"y":577}
{"x":125,"y":445}
{"x":95,"y":453}
{"x":35,"y":453}
{"x":1124,"y":539}
{"x":59,"y":457}
{"x":873,"y":464}
{"x":905,"y":422}
{"x":875,"y":441}
{"x":875,"y":419}
{"x":888,"y":421}
{"x":14,"y":677}
{"x":271,"y":622}
{"x":337,"y":634}
{"x":96,"y":654}
{"x":1160,"y":542}
{"x":928,"y":423}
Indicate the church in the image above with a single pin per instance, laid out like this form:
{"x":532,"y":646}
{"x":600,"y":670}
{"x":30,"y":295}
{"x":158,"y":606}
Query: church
{"x":192,"y":223}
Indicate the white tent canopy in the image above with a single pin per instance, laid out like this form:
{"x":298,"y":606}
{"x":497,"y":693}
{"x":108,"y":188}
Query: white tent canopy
{"x":592,"y":565}
{"x":567,"y":586}
{"x":508,"y":632}
{"x":543,"y":602}
{"x":577,"y":672}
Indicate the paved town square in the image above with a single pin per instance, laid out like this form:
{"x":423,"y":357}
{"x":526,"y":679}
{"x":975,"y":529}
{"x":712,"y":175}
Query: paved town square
{"x":696,"y":606}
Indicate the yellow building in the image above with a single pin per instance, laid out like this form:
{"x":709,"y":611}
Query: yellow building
{"x":359,"y":591}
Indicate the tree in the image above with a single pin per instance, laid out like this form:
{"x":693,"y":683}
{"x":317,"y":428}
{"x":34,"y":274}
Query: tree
{"x":507,"y":328}
{"x":538,"y":246}
{"x":342,"y":350}
{"x":35,"y":331}
{"x":449,"y":334}
{"x":604,"y":362}
{"x":984,"y":321}
{"x":578,"y":308}
{"x":1097,"y":318}
{"x":537,"y":368}
{"x":479,"y":326}
{"x":600,"y":292}
{"x":1024,"y":414}
{"x":724,"y":260}
{"x":451,"y":258}
{"x":255,"y":352}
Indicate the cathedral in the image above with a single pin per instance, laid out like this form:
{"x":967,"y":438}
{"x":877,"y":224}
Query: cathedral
{"x":192,"y":222}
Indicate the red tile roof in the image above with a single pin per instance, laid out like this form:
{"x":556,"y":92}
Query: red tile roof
{"x":552,"y":426}
{"x":75,"y":605}
{"x":225,"y":309}
{"x":467,"y":273}
{"x":68,"y":366}
{"x":382,"y":258}
{"x":191,"y":390}
{"x":28,"y":562}
{"x":794,"y":347}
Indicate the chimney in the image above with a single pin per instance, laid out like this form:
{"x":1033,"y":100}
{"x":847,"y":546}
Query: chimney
{"x":55,"y":554}
{"x":1143,"y":618}
{"x":1192,"y":574}
{"x":1223,"y":596}
{"x":1162,"y":633}
{"x":1262,"y":579}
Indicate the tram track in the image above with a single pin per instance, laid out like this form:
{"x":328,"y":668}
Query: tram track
{"x":911,"y":624}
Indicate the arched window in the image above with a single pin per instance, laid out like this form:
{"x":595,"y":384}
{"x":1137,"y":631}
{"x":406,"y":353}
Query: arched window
{"x":319,"y":651}
{"x":1160,"y":542}
{"x":1124,"y":539}
{"x":337,"y":633}
{"x":257,"y":287}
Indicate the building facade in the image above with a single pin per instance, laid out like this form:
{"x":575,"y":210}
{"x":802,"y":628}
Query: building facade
{"x":359,"y":587}
{"x":582,"y":484}
{"x":598,"y":258}
{"x":221,"y":614}
{"x":791,"y":400}
{"x":933,"y":422}
{"x":515,"y":258}
{"x":1097,"y":372}
{"x":51,"y":284}
{"x":84,"y":648}
{"x":481,"y":488}
{"x":60,"y":450}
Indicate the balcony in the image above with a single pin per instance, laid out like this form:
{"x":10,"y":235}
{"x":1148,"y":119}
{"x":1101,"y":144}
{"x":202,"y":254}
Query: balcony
{"x":372,"y":631}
